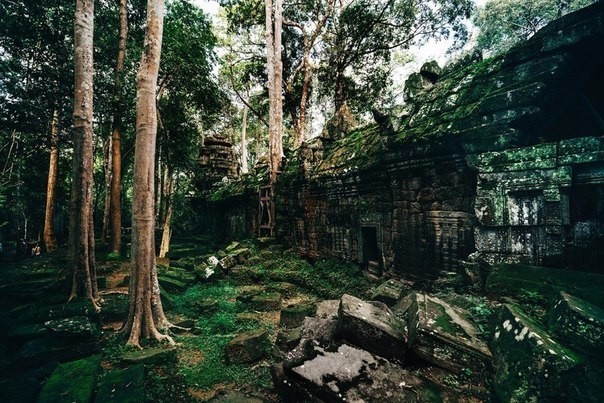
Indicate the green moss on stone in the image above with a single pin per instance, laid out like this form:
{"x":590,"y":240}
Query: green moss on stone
{"x":72,"y":382}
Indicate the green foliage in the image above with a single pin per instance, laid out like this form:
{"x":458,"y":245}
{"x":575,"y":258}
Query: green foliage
{"x":503,"y":23}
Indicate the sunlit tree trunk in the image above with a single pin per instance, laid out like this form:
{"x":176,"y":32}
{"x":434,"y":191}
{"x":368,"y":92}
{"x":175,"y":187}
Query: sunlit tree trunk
{"x":115,"y":242}
{"x":145,"y":314}
{"x":50,"y":241}
{"x":107,"y":206}
{"x":244,"y":163}
{"x":167,"y":217}
{"x":82,"y":279}
{"x":275,"y":87}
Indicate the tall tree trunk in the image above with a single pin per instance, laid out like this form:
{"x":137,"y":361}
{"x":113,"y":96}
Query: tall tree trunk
{"x":82,"y":281}
{"x":274,"y":69}
{"x":145,"y":314}
{"x":107,"y":207}
{"x":244,"y":163}
{"x":50,"y":241}
{"x":167,"y":219}
{"x":115,"y":243}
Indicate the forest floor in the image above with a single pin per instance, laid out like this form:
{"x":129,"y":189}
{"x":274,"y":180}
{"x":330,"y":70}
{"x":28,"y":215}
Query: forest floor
{"x":260,"y":281}
{"x":215,"y":310}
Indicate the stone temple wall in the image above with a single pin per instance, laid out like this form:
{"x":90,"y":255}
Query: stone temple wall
{"x":408,"y":214}
{"x":542,"y":205}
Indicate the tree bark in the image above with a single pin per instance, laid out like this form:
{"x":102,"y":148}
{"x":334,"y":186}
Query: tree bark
{"x":50,"y":241}
{"x":244,"y":163}
{"x":107,"y":207}
{"x":274,"y":21}
{"x":145,"y":314}
{"x":82,"y":281}
{"x":167,"y":219}
{"x":115,"y":243}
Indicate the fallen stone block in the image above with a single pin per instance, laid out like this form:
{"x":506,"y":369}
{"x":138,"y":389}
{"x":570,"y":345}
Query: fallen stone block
{"x":233,"y":246}
{"x":288,"y":339}
{"x":244,"y":275}
{"x":155,"y":355}
{"x":579,"y":324}
{"x":529,"y":364}
{"x":172,"y":285}
{"x":115,"y":306}
{"x":78,"y":326}
{"x":241,"y":255}
{"x":293,"y":315}
{"x":371,"y":327}
{"x":122,"y":386}
{"x":204,"y":306}
{"x":72,"y":381}
{"x":354,"y":375}
{"x":204,"y":272}
{"x":389,"y":292}
{"x":247,"y":347}
{"x":227,"y":262}
{"x":266,"y":302}
{"x":443,"y":336}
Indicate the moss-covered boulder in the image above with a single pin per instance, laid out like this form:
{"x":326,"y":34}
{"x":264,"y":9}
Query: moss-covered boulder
{"x":578,"y":324}
{"x":247,"y":347}
{"x":172,"y":285}
{"x":77,"y":326}
{"x":288,"y":339}
{"x":389,"y":292}
{"x":266,"y":301}
{"x":530,"y":366}
{"x":241,"y":255}
{"x":293,"y":315}
{"x":374,"y":328}
{"x":442,"y":336}
{"x":122,"y":386}
{"x":72,"y":382}
{"x":155,"y":355}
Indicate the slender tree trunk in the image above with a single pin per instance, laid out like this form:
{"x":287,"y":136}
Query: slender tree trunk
{"x":107,"y":208}
{"x":244,"y":163}
{"x":115,"y":243}
{"x":82,"y":281}
{"x":340,"y":92}
{"x":167,"y":219}
{"x":50,"y":241}
{"x":275,"y":86}
{"x":145,"y":314}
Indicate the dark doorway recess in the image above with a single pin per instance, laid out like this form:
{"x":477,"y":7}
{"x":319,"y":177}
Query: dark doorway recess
{"x":371,"y":249}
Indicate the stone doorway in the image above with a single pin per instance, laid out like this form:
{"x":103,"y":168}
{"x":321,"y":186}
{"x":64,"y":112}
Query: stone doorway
{"x":370,"y":248}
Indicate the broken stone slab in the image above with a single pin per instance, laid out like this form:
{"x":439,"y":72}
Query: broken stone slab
{"x":374,"y":328}
{"x":172,"y":285}
{"x":247,"y":347}
{"x":288,"y":339}
{"x":579,"y":324}
{"x":529,"y":364}
{"x":244,"y":275}
{"x":114,"y":307}
{"x":77,"y":326}
{"x":233,"y":246}
{"x":266,"y":302}
{"x":122,"y":386}
{"x":204,"y":272}
{"x":287,"y":290}
{"x":154,"y":355}
{"x":443,"y":336}
{"x":389,"y":292}
{"x":72,"y":381}
{"x":241,"y":255}
{"x":354,"y":375}
{"x":227,"y":263}
{"x":179,"y":274}
{"x":204,"y":306}
{"x":293,"y":315}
